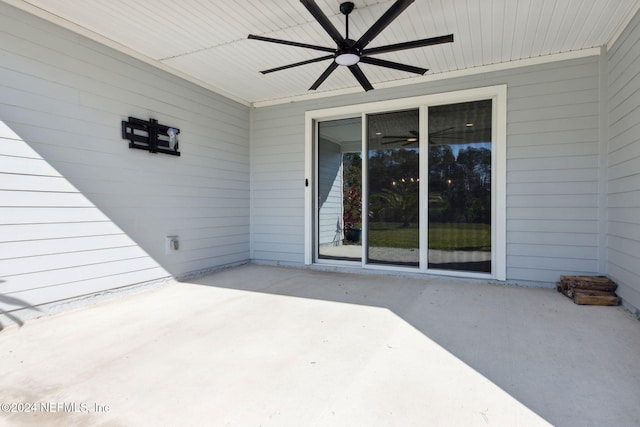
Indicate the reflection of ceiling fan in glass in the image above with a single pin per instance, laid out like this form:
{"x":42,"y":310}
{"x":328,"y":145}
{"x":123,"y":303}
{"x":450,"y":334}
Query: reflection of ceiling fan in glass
{"x":413,"y":138}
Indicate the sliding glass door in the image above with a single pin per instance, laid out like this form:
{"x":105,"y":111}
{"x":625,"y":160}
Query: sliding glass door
{"x":393,"y":166}
{"x":459,"y":186}
{"x":410,"y":188}
{"x":339,"y":190}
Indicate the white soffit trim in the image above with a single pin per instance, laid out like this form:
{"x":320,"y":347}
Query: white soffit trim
{"x":441,"y":76}
{"x":55,"y":19}
{"x":623,"y":25}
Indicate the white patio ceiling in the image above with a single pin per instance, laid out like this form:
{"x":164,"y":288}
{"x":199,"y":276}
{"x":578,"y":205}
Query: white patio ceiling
{"x":206,"y":41}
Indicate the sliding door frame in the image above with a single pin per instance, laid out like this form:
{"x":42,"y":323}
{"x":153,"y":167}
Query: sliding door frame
{"x":498,"y":94}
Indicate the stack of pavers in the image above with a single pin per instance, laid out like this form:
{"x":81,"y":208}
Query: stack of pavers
{"x":589,"y":290}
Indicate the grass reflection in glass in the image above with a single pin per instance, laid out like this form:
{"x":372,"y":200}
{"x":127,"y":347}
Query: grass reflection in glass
{"x":393,"y":235}
{"x":460,"y":236}
{"x":444,"y":236}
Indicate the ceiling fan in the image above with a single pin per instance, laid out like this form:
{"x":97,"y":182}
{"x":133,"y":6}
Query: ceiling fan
{"x":413,"y":137}
{"x":349,"y":52}
{"x":405,"y":139}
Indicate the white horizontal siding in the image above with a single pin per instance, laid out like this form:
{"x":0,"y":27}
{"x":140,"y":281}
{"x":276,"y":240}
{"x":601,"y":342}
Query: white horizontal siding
{"x":559,"y":201}
{"x":25,"y":248}
{"x":624,"y":164}
{"x":560,"y":227}
{"x":52,"y":238}
{"x":552,"y":167}
{"x":277,"y":187}
{"x":80,"y":212}
{"x":553,"y":238}
{"x":76,"y":286}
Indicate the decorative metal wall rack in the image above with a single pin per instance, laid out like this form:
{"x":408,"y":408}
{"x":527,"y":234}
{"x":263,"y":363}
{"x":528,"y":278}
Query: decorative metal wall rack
{"x":151,"y":136}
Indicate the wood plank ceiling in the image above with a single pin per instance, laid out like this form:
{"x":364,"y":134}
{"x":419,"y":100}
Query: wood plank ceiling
{"x":207,"y":39}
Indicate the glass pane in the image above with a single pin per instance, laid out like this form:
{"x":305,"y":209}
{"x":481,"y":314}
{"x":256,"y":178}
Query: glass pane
{"x":339,"y":189}
{"x":460,"y":186}
{"x":393,"y":234}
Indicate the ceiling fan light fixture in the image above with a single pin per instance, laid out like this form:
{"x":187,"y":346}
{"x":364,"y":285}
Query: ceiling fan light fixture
{"x":347,"y":59}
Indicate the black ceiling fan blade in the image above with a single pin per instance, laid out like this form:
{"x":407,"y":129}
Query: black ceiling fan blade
{"x":324,"y":22}
{"x":310,"y":61}
{"x":324,"y":76}
{"x":394,"y":65}
{"x":290,"y":43}
{"x":441,"y":131}
{"x":406,"y":142}
{"x":447,"y":137}
{"x":362,"y":79}
{"x":392,"y":13}
{"x":409,"y":45}
{"x":457,"y":133}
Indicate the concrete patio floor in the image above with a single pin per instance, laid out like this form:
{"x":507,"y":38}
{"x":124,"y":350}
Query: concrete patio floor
{"x":270,"y":346}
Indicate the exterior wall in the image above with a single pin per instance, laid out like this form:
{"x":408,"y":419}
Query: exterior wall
{"x":624,"y":164}
{"x":80,"y":212}
{"x":552,"y":168}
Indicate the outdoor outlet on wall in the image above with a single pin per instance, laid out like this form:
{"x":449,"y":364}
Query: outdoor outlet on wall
{"x":171,"y":244}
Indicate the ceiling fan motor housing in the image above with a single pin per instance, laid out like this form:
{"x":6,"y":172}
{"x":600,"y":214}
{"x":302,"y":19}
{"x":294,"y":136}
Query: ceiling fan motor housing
{"x":348,"y":54}
{"x":346,"y":7}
